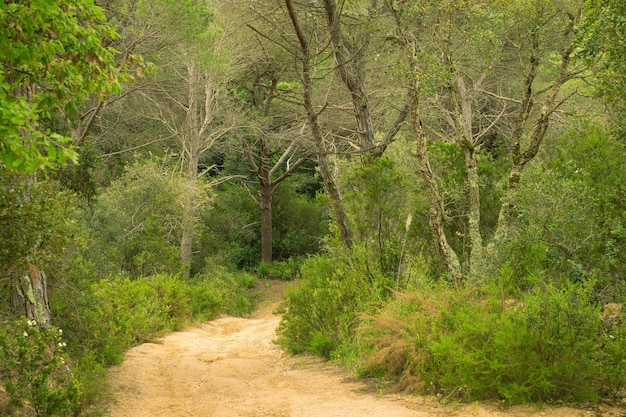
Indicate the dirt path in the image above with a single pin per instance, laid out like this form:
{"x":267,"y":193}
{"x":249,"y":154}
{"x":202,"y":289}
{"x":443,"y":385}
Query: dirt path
{"x":230,"y":368}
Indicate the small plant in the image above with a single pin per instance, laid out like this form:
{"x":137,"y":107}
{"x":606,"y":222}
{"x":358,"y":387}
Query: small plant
{"x":33,"y":368}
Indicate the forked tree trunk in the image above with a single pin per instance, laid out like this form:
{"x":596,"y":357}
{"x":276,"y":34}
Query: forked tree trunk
{"x":521,"y":157}
{"x":29,"y":295}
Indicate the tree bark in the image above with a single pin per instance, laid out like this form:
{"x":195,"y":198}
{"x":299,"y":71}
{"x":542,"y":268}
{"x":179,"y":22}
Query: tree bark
{"x":29,"y":295}
{"x":266,"y":224}
{"x":265,"y":204}
{"x":462,"y":105}
{"x":476,"y":266}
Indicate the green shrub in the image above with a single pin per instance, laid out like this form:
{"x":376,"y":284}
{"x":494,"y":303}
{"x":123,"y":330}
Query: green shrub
{"x":221,"y":291}
{"x":103,"y":319}
{"x":570,"y":222}
{"x":109,"y":316}
{"x":230,"y":231}
{"x":282,"y":270}
{"x":34,"y":372}
{"x":144,"y":308}
{"x":299,"y":220}
{"x":472,"y":343}
{"x":91,"y":376}
{"x":323,"y":310}
{"x":379,"y":201}
{"x":136,"y":223}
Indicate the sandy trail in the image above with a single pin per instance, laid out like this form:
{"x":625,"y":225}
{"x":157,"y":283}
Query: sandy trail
{"x":230,"y":368}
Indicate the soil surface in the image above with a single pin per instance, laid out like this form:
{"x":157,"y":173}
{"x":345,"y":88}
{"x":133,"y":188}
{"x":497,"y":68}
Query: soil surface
{"x":230,"y":367}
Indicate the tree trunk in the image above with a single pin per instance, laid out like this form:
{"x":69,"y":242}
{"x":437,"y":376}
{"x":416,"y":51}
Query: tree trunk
{"x":327,"y":176}
{"x":265,"y":204}
{"x":29,"y":295}
{"x":351,"y":69}
{"x":436,"y":212}
{"x":266,"y":223}
{"x":188,"y":226}
{"x":193,"y":155}
{"x":476,"y":266}
{"x":341,"y":217}
{"x":461,"y":102}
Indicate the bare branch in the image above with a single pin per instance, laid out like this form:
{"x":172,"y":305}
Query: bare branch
{"x":395,"y":126}
{"x":256,"y":200}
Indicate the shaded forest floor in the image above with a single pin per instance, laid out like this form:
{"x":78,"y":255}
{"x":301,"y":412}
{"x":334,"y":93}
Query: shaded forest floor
{"x":230,"y":367}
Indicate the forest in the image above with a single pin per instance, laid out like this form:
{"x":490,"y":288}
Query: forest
{"x":443,"y":180}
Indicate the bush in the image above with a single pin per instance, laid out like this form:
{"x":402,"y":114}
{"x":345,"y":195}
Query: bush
{"x":221,"y":291}
{"x":570,"y":221}
{"x":474,"y":344}
{"x":136,"y":223}
{"x":117,"y":313}
{"x":379,"y":202}
{"x":103,"y":319}
{"x":323,"y":310}
{"x":34,"y":372}
{"x":282,"y":270}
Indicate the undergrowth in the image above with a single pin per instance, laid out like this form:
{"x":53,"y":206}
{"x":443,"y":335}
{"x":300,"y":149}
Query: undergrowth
{"x":473,"y":343}
{"x":477,"y":341}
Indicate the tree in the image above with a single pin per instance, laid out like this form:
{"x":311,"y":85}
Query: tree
{"x":269,"y":170}
{"x":179,"y":102}
{"x":271,"y":130}
{"x":601,"y":39}
{"x":330,"y":183}
{"x":460,"y":54}
{"x":351,"y":59}
{"x":52,"y":57}
{"x":324,"y":45}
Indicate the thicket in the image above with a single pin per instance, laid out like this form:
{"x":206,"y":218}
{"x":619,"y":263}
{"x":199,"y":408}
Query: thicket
{"x":62,"y":370}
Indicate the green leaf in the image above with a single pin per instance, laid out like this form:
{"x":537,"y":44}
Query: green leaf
{"x":52,"y":152}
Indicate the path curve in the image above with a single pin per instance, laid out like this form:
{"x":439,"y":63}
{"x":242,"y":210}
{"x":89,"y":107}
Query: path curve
{"x":230,"y":367}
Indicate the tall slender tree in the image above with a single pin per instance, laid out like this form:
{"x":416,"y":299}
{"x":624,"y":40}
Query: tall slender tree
{"x":330,"y":183}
